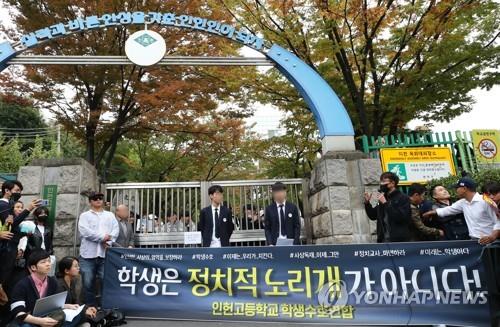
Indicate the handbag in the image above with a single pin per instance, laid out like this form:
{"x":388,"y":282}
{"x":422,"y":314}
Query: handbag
{"x":57,"y":315}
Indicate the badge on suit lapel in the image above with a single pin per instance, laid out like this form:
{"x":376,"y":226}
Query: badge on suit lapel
{"x":290,"y":215}
{"x":224,"y":219}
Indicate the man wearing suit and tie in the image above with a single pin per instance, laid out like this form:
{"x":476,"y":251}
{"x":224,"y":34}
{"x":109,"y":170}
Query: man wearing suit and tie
{"x":216,"y":225}
{"x":126,"y":236}
{"x":282,"y":219}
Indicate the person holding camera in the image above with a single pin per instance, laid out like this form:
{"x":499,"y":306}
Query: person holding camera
{"x":9,"y":237}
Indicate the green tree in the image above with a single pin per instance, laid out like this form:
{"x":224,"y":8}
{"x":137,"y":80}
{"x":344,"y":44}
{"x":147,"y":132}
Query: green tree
{"x":292,"y":154}
{"x":390,"y":61}
{"x":11,"y":157}
{"x":15,"y":118}
{"x":110,"y":103}
{"x":223,"y":151}
{"x":39,"y":152}
{"x":481,"y":177}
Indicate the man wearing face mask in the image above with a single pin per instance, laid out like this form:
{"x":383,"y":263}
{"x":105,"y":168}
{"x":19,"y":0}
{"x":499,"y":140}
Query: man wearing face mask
{"x":392,"y":212}
{"x":11,"y":193}
{"x":9,"y":237}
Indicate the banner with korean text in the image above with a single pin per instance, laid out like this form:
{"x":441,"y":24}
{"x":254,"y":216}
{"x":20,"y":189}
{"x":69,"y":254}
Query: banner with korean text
{"x":418,"y":165}
{"x":394,"y":283}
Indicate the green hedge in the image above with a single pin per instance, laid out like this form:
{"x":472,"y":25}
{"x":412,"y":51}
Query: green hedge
{"x":479,"y":177}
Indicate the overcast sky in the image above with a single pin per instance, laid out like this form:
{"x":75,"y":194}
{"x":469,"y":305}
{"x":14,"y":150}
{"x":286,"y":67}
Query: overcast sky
{"x":484,"y":115}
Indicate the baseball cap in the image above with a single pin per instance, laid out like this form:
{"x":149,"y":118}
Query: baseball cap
{"x":95,"y":194}
{"x":466,"y":182}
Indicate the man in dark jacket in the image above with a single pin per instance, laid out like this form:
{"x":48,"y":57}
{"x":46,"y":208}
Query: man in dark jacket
{"x":454,"y":226}
{"x":281,"y":218}
{"x":36,"y":286}
{"x":418,"y":230}
{"x":216,"y":223}
{"x":392,"y":212}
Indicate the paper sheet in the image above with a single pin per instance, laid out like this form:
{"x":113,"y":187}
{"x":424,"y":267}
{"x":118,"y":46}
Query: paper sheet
{"x":72,"y":313}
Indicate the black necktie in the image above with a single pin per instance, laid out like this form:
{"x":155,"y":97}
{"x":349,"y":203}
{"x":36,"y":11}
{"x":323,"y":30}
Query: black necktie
{"x":217,"y":223}
{"x":282,"y":220}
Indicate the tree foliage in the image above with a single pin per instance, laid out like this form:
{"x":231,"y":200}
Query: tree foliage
{"x":390,"y":61}
{"x":103,"y":104}
{"x":12,"y":157}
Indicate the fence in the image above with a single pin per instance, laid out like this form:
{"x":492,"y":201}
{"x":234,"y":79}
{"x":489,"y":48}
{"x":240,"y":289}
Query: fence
{"x":460,"y":144}
{"x":162,"y":212}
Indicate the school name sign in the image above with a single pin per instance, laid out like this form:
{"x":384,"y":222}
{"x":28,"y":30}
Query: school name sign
{"x":145,"y":49}
{"x":215,"y":27}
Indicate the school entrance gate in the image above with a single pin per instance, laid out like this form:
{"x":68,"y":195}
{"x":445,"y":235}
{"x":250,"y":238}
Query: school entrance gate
{"x":337,"y":214}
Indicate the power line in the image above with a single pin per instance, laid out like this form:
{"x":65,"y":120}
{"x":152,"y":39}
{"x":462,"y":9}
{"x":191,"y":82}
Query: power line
{"x":27,"y":133}
{"x":26,"y":129}
{"x":27,"y":136}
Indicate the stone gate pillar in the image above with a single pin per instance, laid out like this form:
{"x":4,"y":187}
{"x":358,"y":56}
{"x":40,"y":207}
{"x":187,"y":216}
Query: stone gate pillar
{"x":338,"y":182}
{"x":72,"y":177}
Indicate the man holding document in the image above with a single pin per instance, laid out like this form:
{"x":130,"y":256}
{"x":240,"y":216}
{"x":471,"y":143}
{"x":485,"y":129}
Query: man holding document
{"x":35,"y":301}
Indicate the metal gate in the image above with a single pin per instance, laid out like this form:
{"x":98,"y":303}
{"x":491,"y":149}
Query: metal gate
{"x":162,"y":212}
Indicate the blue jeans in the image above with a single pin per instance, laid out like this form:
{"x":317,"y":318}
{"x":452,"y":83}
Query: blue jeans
{"x":91,"y":269}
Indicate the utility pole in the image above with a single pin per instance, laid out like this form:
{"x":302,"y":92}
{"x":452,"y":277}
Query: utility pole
{"x":59,"y":140}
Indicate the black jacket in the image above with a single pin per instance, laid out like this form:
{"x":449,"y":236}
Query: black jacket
{"x":75,"y":290}
{"x":206,"y":226}
{"x":35,"y":241}
{"x":5,"y":211}
{"x":454,"y":226}
{"x":398,"y":210}
{"x":272,"y":225}
{"x":25,"y":294}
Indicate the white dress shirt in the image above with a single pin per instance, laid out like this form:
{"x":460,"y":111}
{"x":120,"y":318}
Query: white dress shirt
{"x":93,"y":226}
{"x":215,"y":243}
{"x":479,"y":215}
{"x":42,"y":231}
{"x":279,"y":218}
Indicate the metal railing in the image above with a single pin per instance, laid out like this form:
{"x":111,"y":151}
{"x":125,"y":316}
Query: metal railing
{"x":460,"y":143}
{"x":123,"y":60}
{"x":162,"y":212}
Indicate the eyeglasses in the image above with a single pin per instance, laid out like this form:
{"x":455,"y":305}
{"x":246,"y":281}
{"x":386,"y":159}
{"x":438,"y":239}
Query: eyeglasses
{"x":97,"y":198}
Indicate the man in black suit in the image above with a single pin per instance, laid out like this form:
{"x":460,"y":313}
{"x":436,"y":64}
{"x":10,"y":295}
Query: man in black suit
{"x":281,"y":218}
{"x":216,"y":224}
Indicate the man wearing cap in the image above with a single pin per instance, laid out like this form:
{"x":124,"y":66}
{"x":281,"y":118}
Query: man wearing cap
{"x":479,"y":215}
{"x":98,"y":230}
{"x":281,"y":218}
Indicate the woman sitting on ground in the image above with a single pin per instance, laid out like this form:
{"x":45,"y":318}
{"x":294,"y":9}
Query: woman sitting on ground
{"x":69,"y":279}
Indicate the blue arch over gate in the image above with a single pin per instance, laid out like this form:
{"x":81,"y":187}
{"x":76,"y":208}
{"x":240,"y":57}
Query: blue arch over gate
{"x":334,"y":124}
